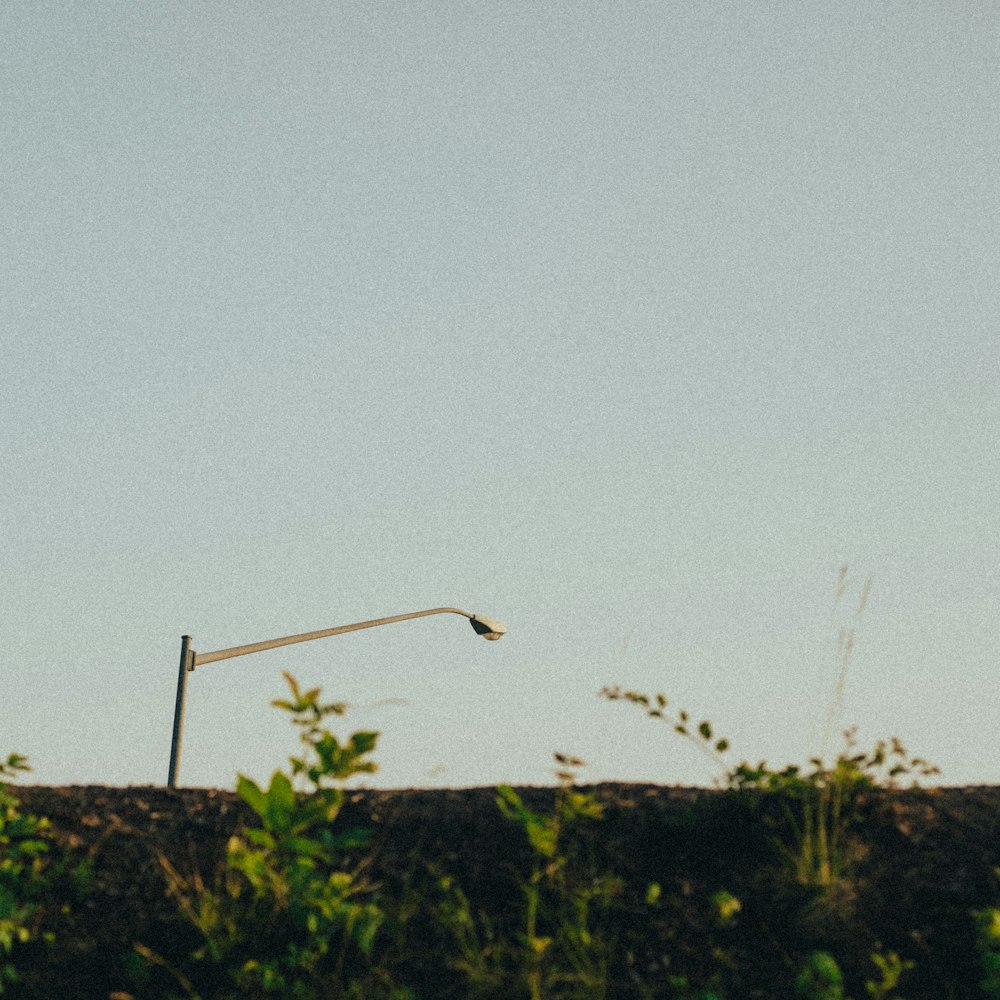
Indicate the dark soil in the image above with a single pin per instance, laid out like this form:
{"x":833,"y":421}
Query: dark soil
{"x":924,"y":861}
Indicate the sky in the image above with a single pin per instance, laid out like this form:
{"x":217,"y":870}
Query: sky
{"x":626,"y":324}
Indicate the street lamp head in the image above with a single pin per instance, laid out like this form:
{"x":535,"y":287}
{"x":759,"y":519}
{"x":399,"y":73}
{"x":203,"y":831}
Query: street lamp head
{"x":488,"y":628}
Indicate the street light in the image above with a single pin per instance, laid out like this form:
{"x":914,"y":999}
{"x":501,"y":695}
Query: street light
{"x":488,"y":628}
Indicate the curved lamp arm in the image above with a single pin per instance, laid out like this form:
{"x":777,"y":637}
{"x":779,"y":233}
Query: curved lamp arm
{"x":488,"y":628}
{"x":493,"y":631}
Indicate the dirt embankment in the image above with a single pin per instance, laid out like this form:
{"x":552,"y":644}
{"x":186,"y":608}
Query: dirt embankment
{"x":926,"y":861}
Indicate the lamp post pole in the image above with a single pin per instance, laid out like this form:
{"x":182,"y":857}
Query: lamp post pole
{"x":488,"y":628}
{"x":186,"y":666}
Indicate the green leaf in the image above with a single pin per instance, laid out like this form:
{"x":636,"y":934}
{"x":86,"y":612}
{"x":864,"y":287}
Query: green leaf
{"x":364,"y":742}
{"x":252,"y":795}
{"x":305,"y":846}
{"x":14,"y":762}
{"x":31,"y":848}
{"x":280,"y":803}
{"x":260,"y":838}
{"x":509,"y":801}
{"x":542,"y":835}
{"x":539,"y":944}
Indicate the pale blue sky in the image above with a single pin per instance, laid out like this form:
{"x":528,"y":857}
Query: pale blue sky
{"x":627,"y":324}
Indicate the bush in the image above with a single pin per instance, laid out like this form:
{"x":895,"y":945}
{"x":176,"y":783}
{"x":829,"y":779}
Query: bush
{"x":24,"y":877}
{"x":283,"y":919}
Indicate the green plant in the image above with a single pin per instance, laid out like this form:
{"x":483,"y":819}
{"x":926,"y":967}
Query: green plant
{"x":988,"y":942}
{"x":681,"y":989}
{"x":14,"y":763}
{"x":561,"y":948}
{"x":819,"y":978}
{"x":480,"y":952}
{"x":23,"y":877}
{"x":725,"y":907}
{"x":818,"y":806}
{"x":565,"y":952}
{"x":654,"y":972}
{"x":891,"y":967}
{"x":284,"y":920}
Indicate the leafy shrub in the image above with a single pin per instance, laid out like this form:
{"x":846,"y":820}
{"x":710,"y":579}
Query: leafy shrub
{"x":24,"y":881}
{"x":819,"y":806}
{"x":284,"y":920}
{"x":814,"y":817}
{"x":988,"y":941}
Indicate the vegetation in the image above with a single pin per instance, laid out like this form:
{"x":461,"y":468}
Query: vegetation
{"x":293,"y":911}
{"x":765,"y":889}
{"x":21,"y":858}
{"x":818,"y":807}
{"x":283,"y":920}
{"x":36,"y":879}
{"x":561,"y":947}
{"x":988,"y":939}
{"x":820,"y":977}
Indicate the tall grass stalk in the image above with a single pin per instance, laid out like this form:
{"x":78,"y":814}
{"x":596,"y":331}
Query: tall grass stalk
{"x":846,"y":636}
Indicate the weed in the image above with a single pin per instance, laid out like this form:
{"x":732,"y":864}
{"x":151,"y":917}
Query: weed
{"x":825,"y":801}
{"x":283,"y":920}
{"x":24,"y":881}
{"x":15,"y":762}
{"x":988,"y":943}
{"x":480,"y":952}
{"x":560,"y":894}
{"x":681,"y":989}
{"x":820,"y":978}
{"x":561,"y":948}
{"x":819,"y":806}
{"x":726,"y":906}
{"x":891,"y":967}
{"x":656,"y":980}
